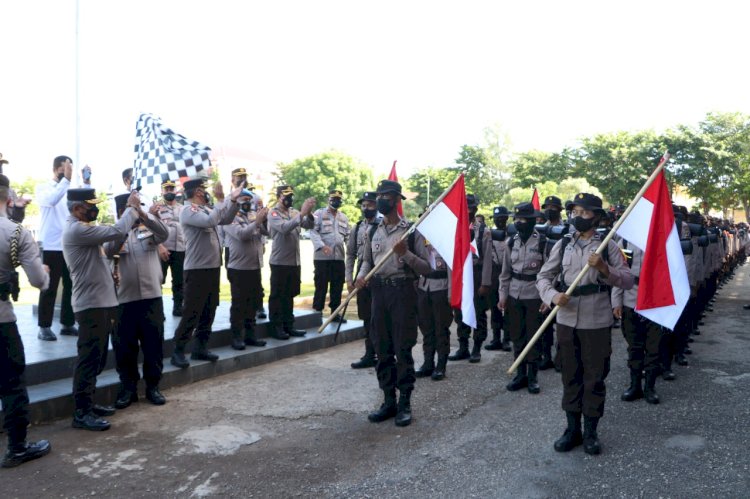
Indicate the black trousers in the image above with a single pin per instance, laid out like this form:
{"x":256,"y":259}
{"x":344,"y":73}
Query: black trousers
{"x":435,"y":316}
{"x":584,"y":358}
{"x":13,"y":393}
{"x":364,"y":312}
{"x":496,"y":315}
{"x":480,"y":307}
{"x":94,"y":327}
{"x":328,"y":272}
{"x":285,"y":285}
{"x":199,"y":308}
{"x":246,"y":298}
{"x":524,"y":318}
{"x":394,"y":334}
{"x":57,"y":269}
{"x":643,"y":338}
{"x":140,"y":326}
{"x":174,"y":264}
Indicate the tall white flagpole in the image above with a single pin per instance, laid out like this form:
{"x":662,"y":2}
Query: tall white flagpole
{"x":77,"y":97}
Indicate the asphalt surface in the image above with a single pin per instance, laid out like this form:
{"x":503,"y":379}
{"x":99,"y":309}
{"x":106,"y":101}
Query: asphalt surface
{"x":298,"y":428}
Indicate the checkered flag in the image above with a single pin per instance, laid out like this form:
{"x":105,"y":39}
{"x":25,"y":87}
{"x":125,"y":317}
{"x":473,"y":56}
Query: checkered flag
{"x":161,"y":154}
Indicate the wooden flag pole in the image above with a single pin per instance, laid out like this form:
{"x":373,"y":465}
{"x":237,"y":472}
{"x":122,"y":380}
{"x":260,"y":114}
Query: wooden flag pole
{"x":385,"y":258}
{"x":586,"y":267}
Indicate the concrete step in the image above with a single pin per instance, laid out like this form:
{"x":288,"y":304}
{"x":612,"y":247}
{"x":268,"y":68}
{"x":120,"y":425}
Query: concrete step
{"x":52,"y":399}
{"x":57,"y":360}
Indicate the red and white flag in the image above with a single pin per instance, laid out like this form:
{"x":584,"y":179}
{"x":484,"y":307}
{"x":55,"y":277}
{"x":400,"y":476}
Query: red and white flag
{"x":535,"y":200}
{"x":394,"y":177}
{"x":663,"y":287}
{"x":447,"y":228}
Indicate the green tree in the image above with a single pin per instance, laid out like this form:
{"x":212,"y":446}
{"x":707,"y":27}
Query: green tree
{"x":532,"y":168}
{"x":436,"y":180}
{"x":26,"y":188}
{"x":315,"y":176}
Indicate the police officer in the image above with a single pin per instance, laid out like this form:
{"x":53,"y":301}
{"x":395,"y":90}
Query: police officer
{"x":202,"y":267}
{"x":141,"y":311}
{"x":244,"y":261}
{"x":355,"y":251}
{"x":94,"y":298}
{"x":172,"y":251}
{"x":394,"y":300}
{"x":482,"y":265}
{"x":500,"y":338}
{"x":518,"y":296}
{"x":284,"y":227}
{"x":15,"y":398}
{"x":435,"y":316}
{"x":329,"y":236}
{"x":552,"y":212}
{"x":584,"y":320}
{"x":642,"y":335}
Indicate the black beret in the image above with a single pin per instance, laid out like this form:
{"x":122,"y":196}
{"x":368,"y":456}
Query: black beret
{"x":87,"y":195}
{"x":368,"y":196}
{"x":386,"y":186}
{"x":194,"y":183}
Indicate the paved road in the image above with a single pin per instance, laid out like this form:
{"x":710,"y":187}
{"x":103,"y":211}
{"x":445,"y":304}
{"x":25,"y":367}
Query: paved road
{"x":298,"y":428}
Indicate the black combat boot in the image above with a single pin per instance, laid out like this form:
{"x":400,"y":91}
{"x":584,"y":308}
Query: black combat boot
{"x":591,"y":443}
{"x":520,"y":380}
{"x":273,"y":332}
{"x":428,"y":367}
{"x":237,"y":342}
{"x":439,"y":372}
{"x":18,"y":454}
{"x":368,"y":360}
{"x":634,"y":391}
{"x":533,"y":383}
{"x":463,"y":350}
{"x":154,"y":396}
{"x":572,"y":437}
{"x":476,"y":352}
{"x":546,"y":361}
{"x":251,"y":340}
{"x":649,"y":392}
{"x":387,"y":409}
{"x":201,"y":351}
{"x":680,"y":359}
{"x":178,"y":357}
{"x":497,"y":342}
{"x":126,"y":396}
{"x":297,"y":333}
{"x":506,"y":342}
{"x":403,"y":416}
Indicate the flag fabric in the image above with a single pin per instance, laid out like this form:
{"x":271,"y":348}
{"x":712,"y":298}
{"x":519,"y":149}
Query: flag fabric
{"x":447,"y":228}
{"x":162,"y":154}
{"x":535,"y":200}
{"x":663,"y":287}
{"x":394,"y":177}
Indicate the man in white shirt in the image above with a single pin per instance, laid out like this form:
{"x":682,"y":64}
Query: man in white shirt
{"x":54,"y":212}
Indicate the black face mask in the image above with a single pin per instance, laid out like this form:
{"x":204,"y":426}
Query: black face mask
{"x":501,"y":222}
{"x":245,"y":207}
{"x":60,"y":176}
{"x":92,"y":214}
{"x":288,"y":201}
{"x":524,"y":228}
{"x":583,"y":224}
{"x":552,"y":215}
{"x":335,"y":203}
{"x":169,"y":196}
{"x":369,"y":213}
{"x":385,"y":206}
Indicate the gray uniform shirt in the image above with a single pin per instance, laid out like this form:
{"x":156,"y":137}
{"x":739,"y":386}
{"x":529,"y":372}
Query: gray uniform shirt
{"x":590,"y":311}
{"x":170,"y":215}
{"x":525,"y":258}
{"x":628,"y":298}
{"x":28,"y":255}
{"x":485,"y":248}
{"x":284,"y":227}
{"x":202,"y":248}
{"x":93,"y":286}
{"x":139,"y":263}
{"x":394,"y":267}
{"x":437,"y":264}
{"x":244,"y":239}
{"x":330,"y":230}
{"x":355,"y":246}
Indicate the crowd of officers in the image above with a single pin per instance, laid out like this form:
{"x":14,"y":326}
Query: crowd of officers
{"x":521,"y":270}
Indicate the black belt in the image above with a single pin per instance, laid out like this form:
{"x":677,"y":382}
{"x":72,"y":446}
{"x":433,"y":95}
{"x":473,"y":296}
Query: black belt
{"x":585,"y":290}
{"x":523,"y":277}
{"x":437,"y":274}
{"x":393,"y":282}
